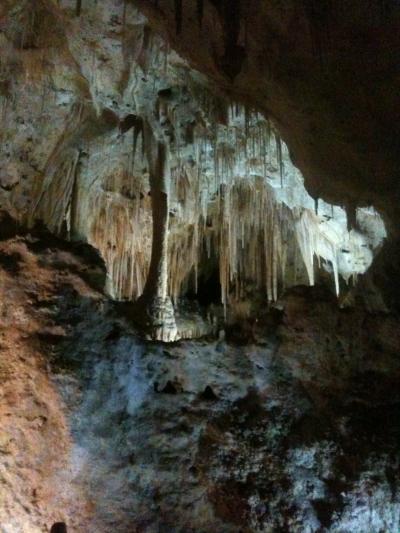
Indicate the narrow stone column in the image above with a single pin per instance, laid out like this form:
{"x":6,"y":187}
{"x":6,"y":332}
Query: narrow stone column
{"x":160,"y":317}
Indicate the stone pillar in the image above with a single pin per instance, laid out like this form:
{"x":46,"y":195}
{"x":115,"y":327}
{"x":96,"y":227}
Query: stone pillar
{"x":158,"y":308}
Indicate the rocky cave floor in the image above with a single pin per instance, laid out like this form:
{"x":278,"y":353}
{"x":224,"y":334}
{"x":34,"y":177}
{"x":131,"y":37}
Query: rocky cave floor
{"x":288,"y":424}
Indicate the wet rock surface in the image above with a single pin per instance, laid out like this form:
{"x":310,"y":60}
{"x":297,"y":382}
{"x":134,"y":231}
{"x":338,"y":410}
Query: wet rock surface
{"x":295,"y":430}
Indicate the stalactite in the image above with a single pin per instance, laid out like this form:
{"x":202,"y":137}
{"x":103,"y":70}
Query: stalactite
{"x":314,"y":243}
{"x":137,"y":130}
{"x":279,"y":156}
{"x":54,"y":189}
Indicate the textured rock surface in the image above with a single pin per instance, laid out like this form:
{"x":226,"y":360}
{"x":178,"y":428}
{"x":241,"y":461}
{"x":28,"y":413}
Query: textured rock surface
{"x":36,"y":472}
{"x":290,"y":423}
{"x":286,"y":417}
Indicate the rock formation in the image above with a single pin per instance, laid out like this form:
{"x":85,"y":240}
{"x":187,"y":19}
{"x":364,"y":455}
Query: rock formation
{"x":121,"y":132}
{"x":222,"y":173}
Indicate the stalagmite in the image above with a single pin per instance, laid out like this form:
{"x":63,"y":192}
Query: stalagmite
{"x":158,"y":305}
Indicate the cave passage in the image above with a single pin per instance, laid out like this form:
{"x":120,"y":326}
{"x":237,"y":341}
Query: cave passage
{"x":208,"y":289}
{"x":59,"y":527}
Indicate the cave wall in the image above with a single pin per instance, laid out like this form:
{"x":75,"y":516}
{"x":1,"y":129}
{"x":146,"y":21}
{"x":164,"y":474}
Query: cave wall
{"x":288,"y":423}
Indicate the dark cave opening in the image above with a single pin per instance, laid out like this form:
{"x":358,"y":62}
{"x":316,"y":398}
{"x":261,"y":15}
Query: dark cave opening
{"x":208,"y":288}
{"x":59,"y":527}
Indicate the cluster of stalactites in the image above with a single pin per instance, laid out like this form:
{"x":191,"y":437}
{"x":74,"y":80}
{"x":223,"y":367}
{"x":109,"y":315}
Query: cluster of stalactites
{"x":242,"y":226}
{"x":315,"y":244}
{"x":54,"y":194}
{"x":225,"y":207}
{"x":213,"y":213}
{"x":119,"y":225}
{"x":345,"y":252}
{"x":221,"y":206}
{"x":116,"y":233}
{"x":237,"y":142}
{"x":250,"y":235}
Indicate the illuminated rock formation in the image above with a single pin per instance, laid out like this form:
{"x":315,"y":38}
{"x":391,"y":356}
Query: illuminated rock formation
{"x":127,"y":148}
